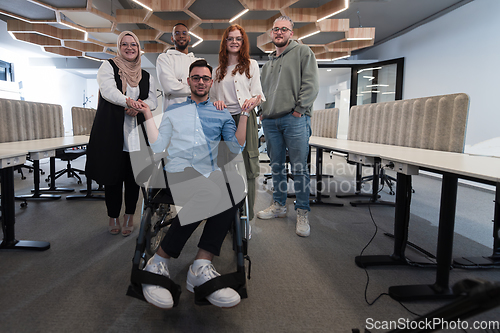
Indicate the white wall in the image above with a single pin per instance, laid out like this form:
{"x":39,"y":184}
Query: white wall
{"x":46,"y":84}
{"x":457,"y":52}
{"x":92,"y":92}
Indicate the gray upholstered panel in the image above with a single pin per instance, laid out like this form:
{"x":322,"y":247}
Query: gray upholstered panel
{"x":9,"y":122}
{"x":3,"y":123}
{"x":325,"y":123}
{"x":83,"y":120}
{"x":21,"y":120}
{"x":437,"y":122}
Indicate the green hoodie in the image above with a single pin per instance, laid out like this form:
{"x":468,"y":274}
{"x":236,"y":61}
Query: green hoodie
{"x":290,"y":81}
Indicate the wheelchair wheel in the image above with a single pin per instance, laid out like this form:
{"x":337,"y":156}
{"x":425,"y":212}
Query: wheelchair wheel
{"x":160,"y":219}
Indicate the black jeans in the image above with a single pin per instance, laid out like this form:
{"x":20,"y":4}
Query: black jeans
{"x":114,"y":193}
{"x":216,"y":227}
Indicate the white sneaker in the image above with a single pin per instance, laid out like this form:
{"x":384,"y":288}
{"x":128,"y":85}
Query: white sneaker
{"x":156,"y":295}
{"x":273,"y":211}
{"x":224,"y":298}
{"x":302,"y":228}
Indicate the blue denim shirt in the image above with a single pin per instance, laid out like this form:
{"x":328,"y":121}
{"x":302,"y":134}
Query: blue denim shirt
{"x":191,"y":134}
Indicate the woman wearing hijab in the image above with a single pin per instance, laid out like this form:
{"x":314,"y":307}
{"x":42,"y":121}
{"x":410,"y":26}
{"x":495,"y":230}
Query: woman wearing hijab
{"x":121,"y":84}
{"x":236,"y":86}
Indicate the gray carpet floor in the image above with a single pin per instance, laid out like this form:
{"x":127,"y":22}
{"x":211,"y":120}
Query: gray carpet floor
{"x":297,"y":284}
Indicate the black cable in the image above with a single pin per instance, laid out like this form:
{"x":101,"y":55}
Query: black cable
{"x":366,"y":271}
{"x":368,"y":276}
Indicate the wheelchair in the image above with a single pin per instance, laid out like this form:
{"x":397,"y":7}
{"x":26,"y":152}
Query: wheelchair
{"x":158,"y":210}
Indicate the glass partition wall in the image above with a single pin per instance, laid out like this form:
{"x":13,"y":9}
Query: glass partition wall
{"x":335,"y":92}
{"x":342,"y":86}
{"x":377,"y":82}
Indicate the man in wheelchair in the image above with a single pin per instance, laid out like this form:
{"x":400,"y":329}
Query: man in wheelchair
{"x":191,"y":132}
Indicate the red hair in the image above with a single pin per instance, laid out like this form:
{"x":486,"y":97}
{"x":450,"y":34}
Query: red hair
{"x":243,"y":65}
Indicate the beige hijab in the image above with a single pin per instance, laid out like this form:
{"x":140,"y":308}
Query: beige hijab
{"x":129,"y":71}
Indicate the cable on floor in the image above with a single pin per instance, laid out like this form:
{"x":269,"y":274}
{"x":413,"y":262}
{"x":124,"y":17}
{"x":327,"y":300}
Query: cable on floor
{"x":366,"y":271}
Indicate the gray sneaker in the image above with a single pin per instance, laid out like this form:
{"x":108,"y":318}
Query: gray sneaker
{"x":302,"y":228}
{"x":273,"y":211}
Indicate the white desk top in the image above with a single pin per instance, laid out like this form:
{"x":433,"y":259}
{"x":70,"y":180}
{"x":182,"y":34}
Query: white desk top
{"x":480,"y":167}
{"x":14,"y":153}
{"x":33,"y":146}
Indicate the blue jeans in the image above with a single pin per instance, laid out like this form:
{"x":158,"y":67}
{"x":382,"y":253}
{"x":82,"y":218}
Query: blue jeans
{"x":292,"y":133}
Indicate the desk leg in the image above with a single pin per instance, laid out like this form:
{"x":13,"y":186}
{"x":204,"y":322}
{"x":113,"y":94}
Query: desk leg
{"x":88,"y":195}
{"x":36,"y":192}
{"x":494,"y":259}
{"x":401,"y":223}
{"x":496,"y":226}
{"x":52,"y":187}
{"x":319,"y":181}
{"x":440,"y":289}
{"x":9,"y":217}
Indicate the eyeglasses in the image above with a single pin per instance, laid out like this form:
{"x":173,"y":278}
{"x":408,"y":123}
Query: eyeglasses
{"x":178,"y":33}
{"x":283,"y":29}
{"x":197,"y":78}
{"x":127,"y":45}
{"x":237,"y":39}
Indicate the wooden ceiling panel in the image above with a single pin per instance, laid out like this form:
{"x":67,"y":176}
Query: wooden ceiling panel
{"x":203,"y":18}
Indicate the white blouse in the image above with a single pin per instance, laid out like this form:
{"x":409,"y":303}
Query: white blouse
{"x":234,"y":90}
{"x":109,"y":91}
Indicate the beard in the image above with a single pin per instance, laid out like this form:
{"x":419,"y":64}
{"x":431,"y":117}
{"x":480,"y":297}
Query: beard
{"x":181,"y":47}
{"x":195,"y":92}
{"x":282,"y":43}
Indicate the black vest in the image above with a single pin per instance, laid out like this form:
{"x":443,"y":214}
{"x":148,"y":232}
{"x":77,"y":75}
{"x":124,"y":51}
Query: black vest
{"x":105,"y":148}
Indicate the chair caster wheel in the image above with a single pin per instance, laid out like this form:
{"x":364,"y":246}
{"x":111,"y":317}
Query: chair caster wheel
{"x":392,"y":193}
{"x":23,"y":178}
{"x":42,"y":172}
{"x":79,"y":182}
{"x":24,"y":204}
{"x":30,"y":170}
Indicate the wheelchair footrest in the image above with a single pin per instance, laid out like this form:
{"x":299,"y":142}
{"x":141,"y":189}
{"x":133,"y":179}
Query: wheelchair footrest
{"x":140,"y":277}
{"x":234,"y":280}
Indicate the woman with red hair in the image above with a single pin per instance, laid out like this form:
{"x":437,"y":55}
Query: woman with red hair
{"x":236,"y":87}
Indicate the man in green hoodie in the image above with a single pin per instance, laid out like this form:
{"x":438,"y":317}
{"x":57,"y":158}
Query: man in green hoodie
{"x":290,"y":83}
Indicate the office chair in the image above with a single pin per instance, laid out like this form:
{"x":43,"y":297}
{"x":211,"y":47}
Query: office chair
{"x":30,"y":168}
{"x":69,"y":155}
{"x":385,"y":179}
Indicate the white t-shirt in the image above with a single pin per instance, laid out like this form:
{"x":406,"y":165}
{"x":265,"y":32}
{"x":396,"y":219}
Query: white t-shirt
{"x":109,"y":91}
{"x":229,"y":92}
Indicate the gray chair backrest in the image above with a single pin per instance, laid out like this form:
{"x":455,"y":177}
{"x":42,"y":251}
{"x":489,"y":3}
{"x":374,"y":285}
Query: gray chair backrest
{"x":437,"y":122}
{"x":325,"y":123}
{"x":83,"y":119}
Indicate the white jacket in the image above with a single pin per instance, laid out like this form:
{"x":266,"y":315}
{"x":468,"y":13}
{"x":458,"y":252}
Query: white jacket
{"x":172,"y":68}
{"x":245,"y":88}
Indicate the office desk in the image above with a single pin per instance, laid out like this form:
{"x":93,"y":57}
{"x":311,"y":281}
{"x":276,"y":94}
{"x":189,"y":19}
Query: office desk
{"x":9,"y":158}
{"x":43,"y":148}
{"x":357,"y":152}
{"x":406,"y":162}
